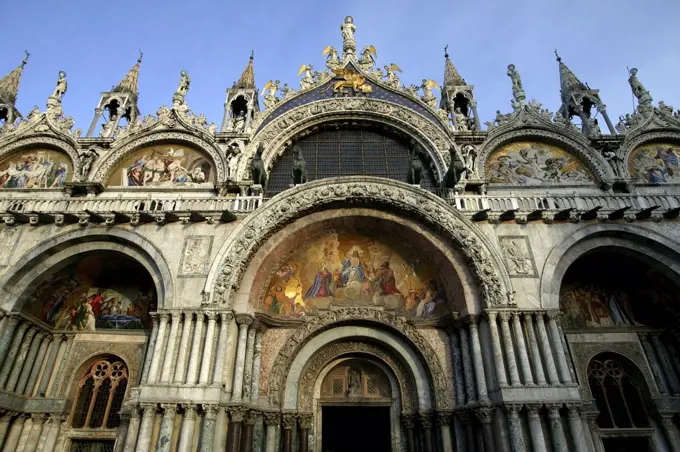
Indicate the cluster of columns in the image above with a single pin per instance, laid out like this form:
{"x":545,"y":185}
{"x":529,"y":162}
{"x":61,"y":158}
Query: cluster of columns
{"x":31,"y":358}
{"x":664,"y":360}
{"x":35,"y":432}
{"x":420,"y":431}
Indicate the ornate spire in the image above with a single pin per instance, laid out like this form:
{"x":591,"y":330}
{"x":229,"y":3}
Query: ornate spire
{"x":569,"y":83}
{"x":129,"y":82}
{"x":247,"y":80}
{"x":9,"y":85}
{"x":451,"y":75}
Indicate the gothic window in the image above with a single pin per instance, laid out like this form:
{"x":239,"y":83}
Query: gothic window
{"x":619,"y":396}
{"x":100,"y":395}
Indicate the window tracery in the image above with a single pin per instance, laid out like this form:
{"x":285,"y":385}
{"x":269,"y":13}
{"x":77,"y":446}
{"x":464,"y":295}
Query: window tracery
{"x":100,"y":395}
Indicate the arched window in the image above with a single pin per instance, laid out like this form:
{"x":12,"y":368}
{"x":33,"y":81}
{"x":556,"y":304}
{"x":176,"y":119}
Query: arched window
{"x":100,"y":395}
{"x":618,"y":395}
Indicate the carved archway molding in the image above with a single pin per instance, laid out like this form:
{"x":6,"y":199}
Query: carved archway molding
{"x":276,"y":133}
{"x":332,"y":352}
{"x":233,"y":258}
{"x":441,"y":383}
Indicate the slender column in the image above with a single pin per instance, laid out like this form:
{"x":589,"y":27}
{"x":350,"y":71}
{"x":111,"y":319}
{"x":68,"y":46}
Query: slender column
{"x":466,"y":421}
{"x":186,"y":436}
{"x":443,"y":421}
{"x":653,"y":359}
{"x":671,"y":432}
{"x":146,"y":427}
{"x":456,"y":358}
{"x":38,"y":364}
{"x":8,"y":336}
{"x":665,"y":364}
{"x":497,"y":350}
{"x":257,"y":363}
{"x":15,"y":433}
{"x":25,"y":433}
{"x":509,"y":349}
{"x":247,"y":432}
{"x":30,"y":362}
{"x":576,"y":429}
{"x":237,"y":415}
{"x":426,"y":428}
{"x":180,"y":368}
{"x":272,"y":421}
{"x":20,"y":361}
{"x":204,"y":376}
{"x":62,"y":359}
{"x":44,"y":432}
{"x":196,"y":352}
{"x":225,"y":318}
{"x":548,"y":357}
{"x":535,"y":429}
{"x":150,"y":347}
{"x":167,"y":424}
{"x":53,"y":432}
{"x":288,"y":421}
{"x":14,"y":350}
{"x":535,"y":352}
{"x":49,"y":366}
{"x":408,"y":421}
{"x":208,"y":432}
{"x":169,"y":360}
{"x":244,"y":322}
{"x":39,"y":421}
{"x":515,"y":427}
{"x":133,"y":431}
{"x":159,"y":348}
{"x":485,"y":416}
{"x":562,"y":364}
{"x":522,"y":349}
{"x":467,"y":366}
{"x":5,"y":420}
{"x":558,"y":438}
{"x":250,"y":354}
{"x":125,"y":415}
{"x":477,"y":359}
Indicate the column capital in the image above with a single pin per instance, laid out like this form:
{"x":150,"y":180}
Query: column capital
{"x":39,"y":417}
{"x":226,"y":316}
{"x":165,"y":317}
{"x":554,"y":411}
{"x":210,"y":410}
{"x":288,"y":420}
{"x":463,"y":416}
{"x":252,"y":416}
{"x":305,"y":420}
{"x":42,"y":334}
{"x":491,"y":315}
{"x":211,"y":315}
{"x":272,"y":418}
{"x":148,"y":408}
{"x":169,"y":408}
{"x":533,"y":408}
{"x":190,"y":410}
{"x":528,"y":316}
{"x":484,"y":414}
{"x":471,"y":320}
{"x":425,"y":420}
{"x":408,"y":420}
{"x":244,"y":319}
{"x":8,"y":415}
{"x":512,"y":410}
{"x":504,"y":316}
{"x":553,"y":314}
{"x":237,"y":413}
{"x":443,"y":417}
{"x":574,"y":409}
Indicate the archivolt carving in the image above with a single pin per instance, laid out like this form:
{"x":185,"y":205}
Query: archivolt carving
{"x":304,"y":333}
{"x":322,"y":358}
{"x":275,"y":134}
{"x":109,"y":162}
{"x":41,"y":140}
{"x":485,"y":261}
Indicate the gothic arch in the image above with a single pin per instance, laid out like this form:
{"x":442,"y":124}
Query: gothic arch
{"x":52,"y":255}
{"x":233,"y":258}
{"x":635,"y":238}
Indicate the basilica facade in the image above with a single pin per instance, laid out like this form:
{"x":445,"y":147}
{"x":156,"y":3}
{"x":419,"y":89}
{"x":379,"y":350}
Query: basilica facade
{"x":351,"y":264}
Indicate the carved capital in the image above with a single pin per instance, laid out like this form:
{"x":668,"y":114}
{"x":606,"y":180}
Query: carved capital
{"x":484,"y":414}
{"x":443,"y":417}
{"x":305,"y":421}
{"x":425,"y":420}
{"x":237,"y":414}
{"x":165,"y":317}
{"x":252,"y":417}
{"x":533,"y":409}
{"x":553,"y":314}
{"x":504,"y":316}
{"x":408,"y":420}
{"x":149,"y":409}
{"x":244,"y":319}
{"x":226,"y":316}
{"x":471,"y":320}
{"x":491,"y":315}
{"x":210,"y":411}
{"x":289,"y":420}
{"x":189,"y":411}
{"x":211,"y":315}
{"x":554,"y":411}
{"x":512,"y":410}
{"x":169,"y":408}
{"x":272,"y":418}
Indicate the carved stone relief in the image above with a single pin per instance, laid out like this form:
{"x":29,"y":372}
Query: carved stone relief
{"x":195,"y":255}
{"x":518,"y":256}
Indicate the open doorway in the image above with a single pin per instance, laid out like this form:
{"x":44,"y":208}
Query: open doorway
{"x":356,"y":429}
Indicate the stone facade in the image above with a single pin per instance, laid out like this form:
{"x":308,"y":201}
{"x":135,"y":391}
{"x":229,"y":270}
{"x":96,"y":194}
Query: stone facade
{"x":502,"y":365}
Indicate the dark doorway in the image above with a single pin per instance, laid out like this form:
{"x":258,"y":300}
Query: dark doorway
{"x":356,"y":429}
{"x":639,"y":444}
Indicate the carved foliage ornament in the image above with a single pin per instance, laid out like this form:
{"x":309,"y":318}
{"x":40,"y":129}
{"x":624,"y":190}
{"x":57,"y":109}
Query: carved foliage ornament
{"x":281,"y":367}
{"x":485,"y":262}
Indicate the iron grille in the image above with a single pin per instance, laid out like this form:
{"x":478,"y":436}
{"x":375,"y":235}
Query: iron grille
{"x":347,"y":152}
{"x":100,"y":396}
{"x":78,"y":445}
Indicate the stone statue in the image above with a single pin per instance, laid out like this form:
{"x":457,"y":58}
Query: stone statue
{"x":269,"y":92}
{"x":594,"y":129}
{"x":614,"y":161}
{"x":667,"y":109}
{"x":234,"y":158}
{"x":257,"y":169}
{"x":182,"y":88}
{"x":415,"y":169}
{"x":34,"y":114}
{"x":61,"y":87}
{"x":624,"y":124}
{"x":368,"y":56}
{"x":307,"y":80}
{"x":639,"y":91}
{"x":377,"y":74}
{"x":287,"y":91}
{"x":240,"y":122}
{"x":518,"y":93}
{"x":428,"y":97}
{"x":332,"y":60}
{"x":455,"y":172}
{"x":212,"y":128}
{"x":354,"y":384}
{"x":86,"y":159}
{"x":299,"y":166}
{"x":349,"y":45}
{"x":470,"y":156}
{"x":461,"y":121}
{"x":392,"y":80}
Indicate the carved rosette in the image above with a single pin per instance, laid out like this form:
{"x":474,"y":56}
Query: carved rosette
{"x":485,"y":261}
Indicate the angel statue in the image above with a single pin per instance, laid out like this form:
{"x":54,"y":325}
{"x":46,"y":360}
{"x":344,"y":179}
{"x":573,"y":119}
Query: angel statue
{"x":61,"y":87}
{"x":368,"y":56}
{"x":331,"y":54}
{"x":307,"y":79}
{"x":392,"y":80}
{"x":287,"y":91}
{"x":428,"y":97}
{"x":269,"y":92}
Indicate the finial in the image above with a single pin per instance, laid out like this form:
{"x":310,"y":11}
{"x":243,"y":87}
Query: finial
{"x":558,"y":56}
{"x":23,"y":63}
{"x":141,"y":54}
{"x":252,"y":54}
{"x":446,"y":51}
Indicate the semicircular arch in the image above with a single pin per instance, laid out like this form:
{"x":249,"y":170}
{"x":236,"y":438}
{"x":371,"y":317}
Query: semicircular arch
{"x":630,"y":146}
{"x":39,"y":142}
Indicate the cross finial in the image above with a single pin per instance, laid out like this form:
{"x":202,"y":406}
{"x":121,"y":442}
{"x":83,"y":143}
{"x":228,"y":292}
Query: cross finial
{"x":23,"y":63}
{"x":252,"y":54}
{"x":141,"y":54}
{"x":446,"y":51}
{"x":558,"y":56}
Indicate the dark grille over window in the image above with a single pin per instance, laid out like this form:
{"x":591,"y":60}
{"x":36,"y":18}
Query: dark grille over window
{"x":78,"y":445}
{"x":347,"y":152}
{"x":100,"y":396}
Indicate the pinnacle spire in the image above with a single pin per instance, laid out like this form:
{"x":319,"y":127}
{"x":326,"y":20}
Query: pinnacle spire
{"x":451,"y":75}
{"x":569,"y":83}
{"x":9,"y":85}
{"x":247,"y":80}
{"x":129,"y":84}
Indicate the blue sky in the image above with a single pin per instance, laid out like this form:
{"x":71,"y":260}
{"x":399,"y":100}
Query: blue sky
{"x":96,"y":43}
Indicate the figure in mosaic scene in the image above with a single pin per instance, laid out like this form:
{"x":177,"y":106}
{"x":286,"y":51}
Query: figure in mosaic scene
{"x":35,"y":169}
{"x":655,"y":163}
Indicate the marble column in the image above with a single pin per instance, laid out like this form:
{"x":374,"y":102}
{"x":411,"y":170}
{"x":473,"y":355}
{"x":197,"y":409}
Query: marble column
{"x":150,"y":347}
{"x":408,"y":422}
{"x":208,"y":432}
{"x":250,"y":356}
{"x":666,"y":365}
{"x":247,"y":431}
{"x":557,"y":431}
{"x":576,"y":429}
{"x":271,"y":420}
{"x":466,"y":421}
{"x":654,"y":366}
{"x":180,"y":368}
{"x":39,"y":421}
{"x":535,"y":428}
{"x":257,"y":363}
{"x":38,"y":364}
{"x":485,"y":416}
{"x":16,"y":342}
{"x":5,"y":421}
{"x":158,"y":349}
{"x":204,"y":375}
{"x":8,"y":336}
{"x":535,"y":351}
{"x":548,"y":357}
{"x":186,"y":436}
{"x":196,"y":352}
{"x":671,"y":431}
{"x":562,"y":364}
{"x":522,"y":349}
{"x":62,"y":359}
{"x":169,"y":360}
{"x":167,"y":426}
{"x":146,"y":427}
{"x":509,"y":348}
{"x":236,"y":417}
{"x":426,"y":428}
{"x":133,"y":430}
{"x":444,"y":421}
{"x":497,"y":350}
{"x":467,"y":366}
{"x":20,"y":362}
{"x":225,"y":318}
{"x":57,"y":343}
{"x":476,"y":351}
{"x":30,"y":362}
{"x":15,"y":432}
{"x":53,"y":433}
{"x":288,"y":422}
{"x":123,"y":428}
{"x":515,"y":428}
{"x":244,"y":322}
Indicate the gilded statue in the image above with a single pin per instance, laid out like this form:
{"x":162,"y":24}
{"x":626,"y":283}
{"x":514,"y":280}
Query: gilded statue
{"x":269,"y":92}
{"x":428,"y":97}
{"x":331,"y":54}
{"x":307,"y":80}
{"x":368,"y":56}
{"x":392,"y":80}
{"x":349,"y":79}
